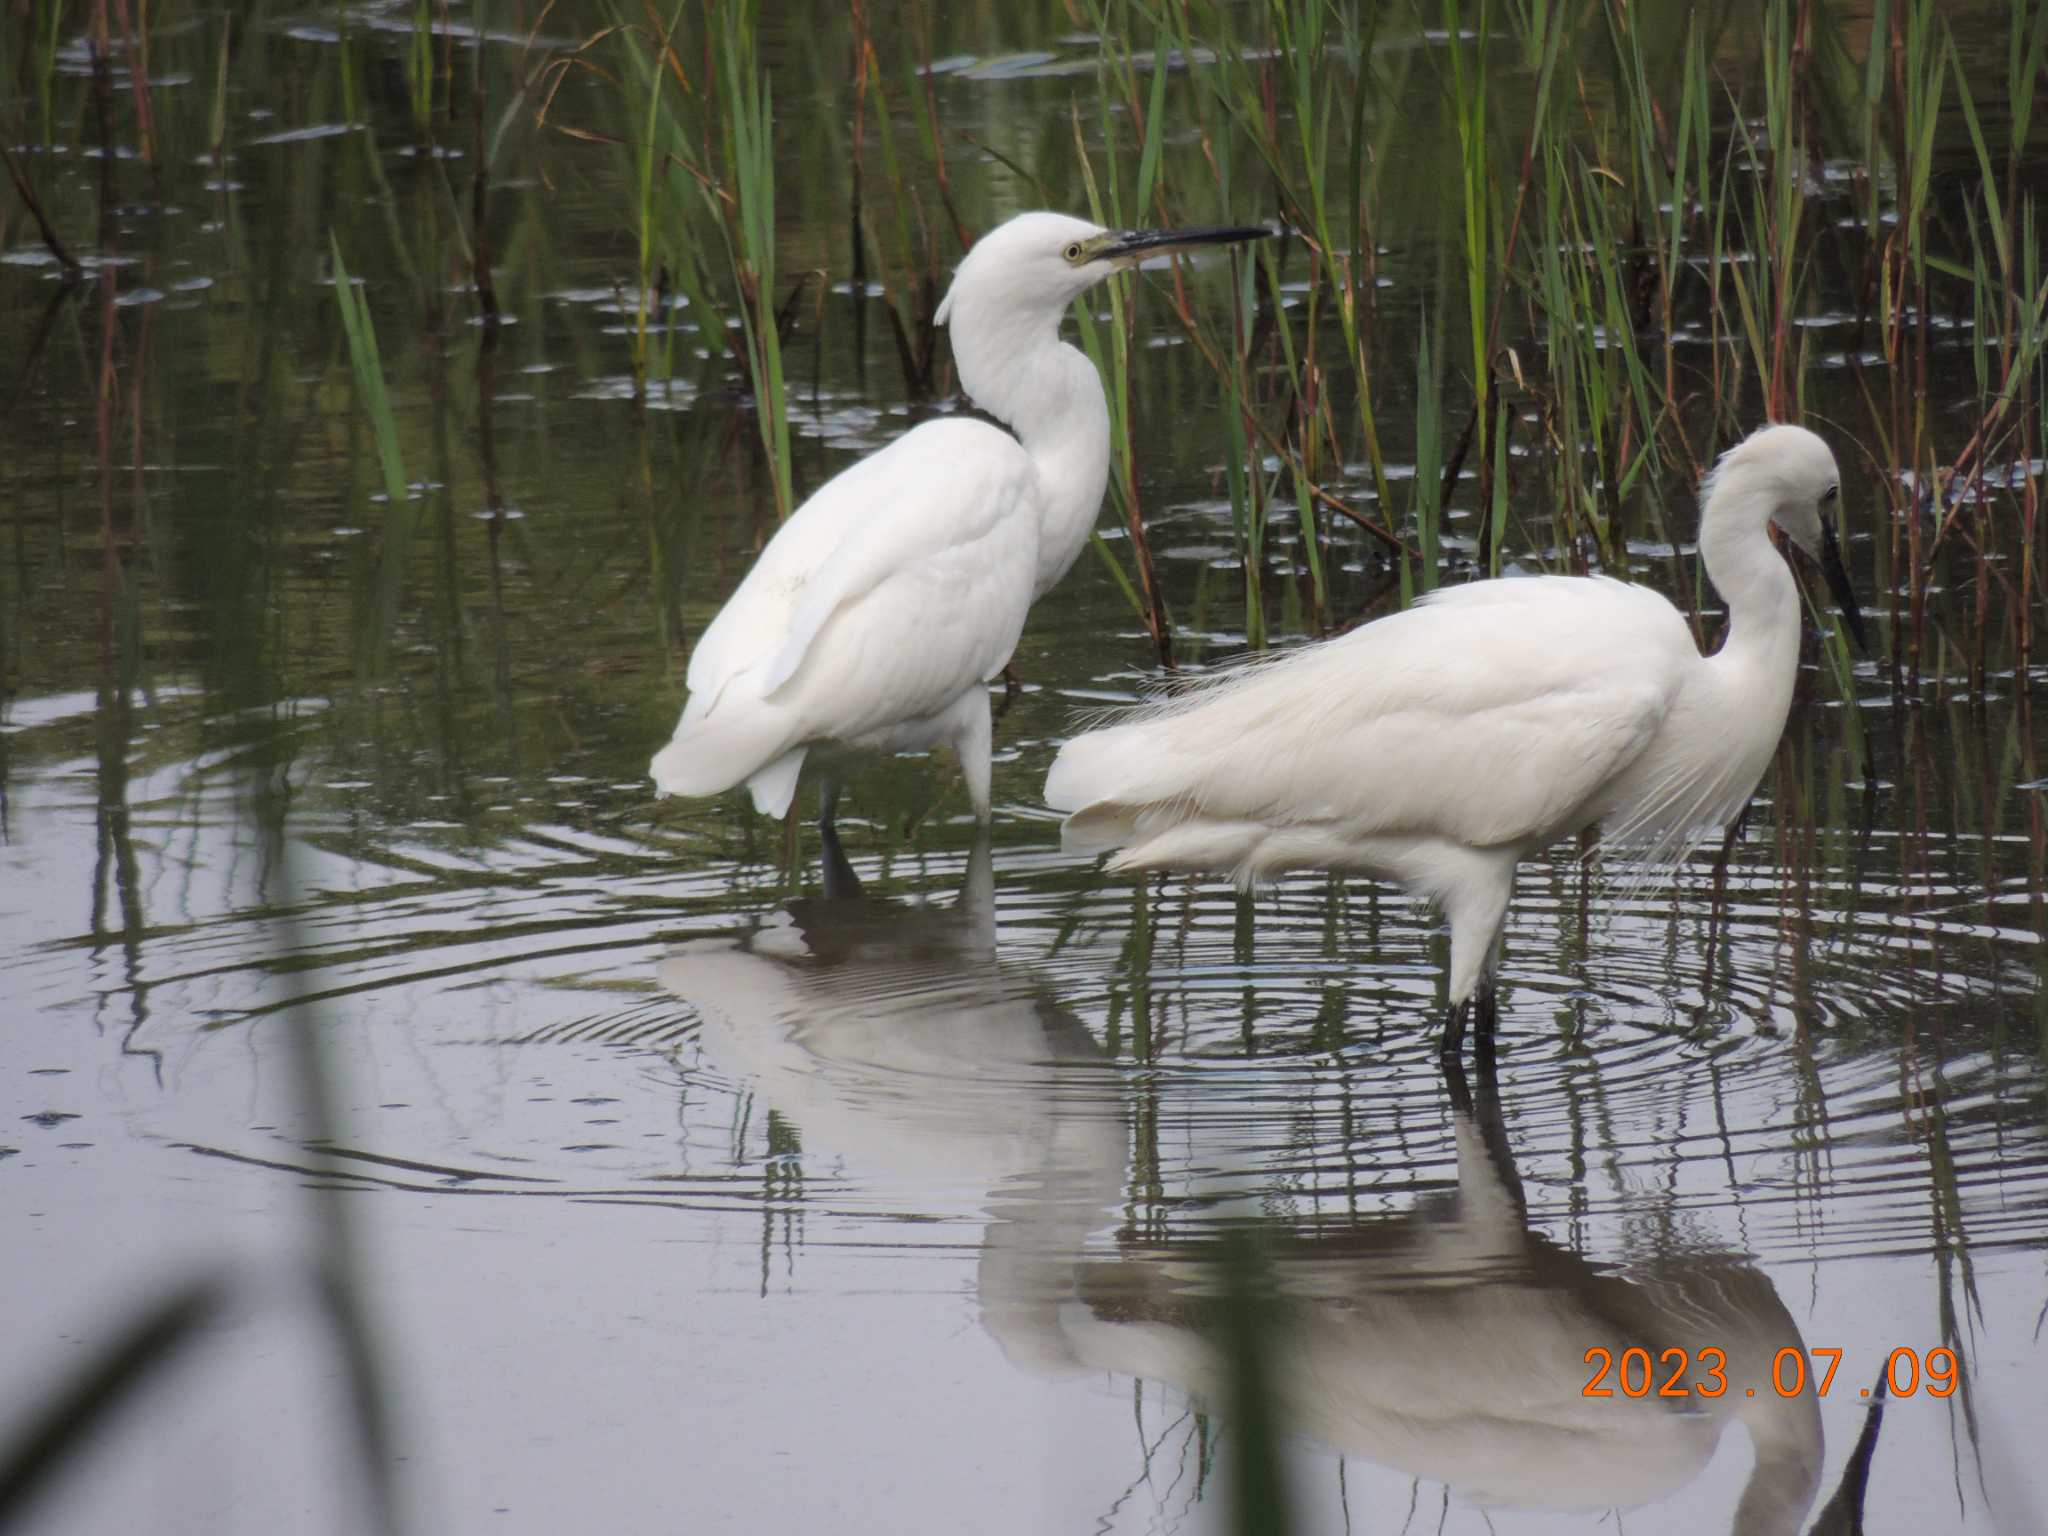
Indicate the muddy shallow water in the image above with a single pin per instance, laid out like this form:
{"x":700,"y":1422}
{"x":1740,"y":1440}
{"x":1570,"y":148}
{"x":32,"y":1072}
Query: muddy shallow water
{"x":690,"y":1187}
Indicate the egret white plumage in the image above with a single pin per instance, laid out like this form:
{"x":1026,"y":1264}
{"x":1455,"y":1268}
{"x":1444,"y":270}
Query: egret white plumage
{"x":1440,"y":746}
{"x":880,"y":610}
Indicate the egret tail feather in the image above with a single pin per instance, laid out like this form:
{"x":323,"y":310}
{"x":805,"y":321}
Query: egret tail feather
{"x":1099,"y":828}
{"x":774,"y":787}
{"x":714,"y":752}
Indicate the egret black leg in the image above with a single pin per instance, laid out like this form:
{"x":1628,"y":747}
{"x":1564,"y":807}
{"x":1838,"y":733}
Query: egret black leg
{"x":1451,"y":1045}
{"x":1485,"y":1022}
{"x":1455,"y":1084}
{"x":841,"y":883}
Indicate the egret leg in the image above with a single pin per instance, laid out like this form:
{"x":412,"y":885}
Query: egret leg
{"x":1455,"y":1085}
{"x":1485,"y":1022}
{"x":972,"y":743}
{"x":1450,"y":1045}
{"x":1474,"y":894}
{"x":841,"y":883}
{"x":1718,"y":906}
{"x":828,"y":803}
{"x":1481,"y":1013}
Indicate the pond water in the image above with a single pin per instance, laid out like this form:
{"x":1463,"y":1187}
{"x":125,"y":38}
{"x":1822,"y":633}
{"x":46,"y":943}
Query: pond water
{"x":692,"y":1179}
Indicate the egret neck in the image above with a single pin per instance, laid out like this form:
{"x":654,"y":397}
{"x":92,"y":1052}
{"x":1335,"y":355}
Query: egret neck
{"x":1014,"y":366}
{"x":1758,"y":662}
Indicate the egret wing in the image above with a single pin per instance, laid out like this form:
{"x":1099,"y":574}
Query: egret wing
{"x":938,"y":487}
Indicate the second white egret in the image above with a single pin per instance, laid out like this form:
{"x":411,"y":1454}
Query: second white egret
{"x":879,"y":612}
{"x":1440,"y":746}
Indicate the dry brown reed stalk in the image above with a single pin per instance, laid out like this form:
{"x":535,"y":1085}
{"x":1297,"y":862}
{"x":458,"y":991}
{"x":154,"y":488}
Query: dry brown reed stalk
{"x":99,"y":43}
{"x":138,"y":79}
{"x":857,"y":12}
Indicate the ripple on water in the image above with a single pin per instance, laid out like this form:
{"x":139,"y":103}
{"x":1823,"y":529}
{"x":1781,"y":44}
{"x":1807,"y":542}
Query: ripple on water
{"x":555,"y":1009}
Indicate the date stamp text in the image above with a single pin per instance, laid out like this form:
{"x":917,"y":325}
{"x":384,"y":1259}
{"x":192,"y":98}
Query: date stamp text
{"x":1679,"y":1372}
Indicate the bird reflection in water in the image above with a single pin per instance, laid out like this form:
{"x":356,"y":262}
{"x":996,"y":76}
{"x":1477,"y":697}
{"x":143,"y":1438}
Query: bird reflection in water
{"x":896,"y":1037}
{"x":1447,"y":1341}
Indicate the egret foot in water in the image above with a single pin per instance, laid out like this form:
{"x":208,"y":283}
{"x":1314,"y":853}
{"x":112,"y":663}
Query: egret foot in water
{"x":1482,"y":1011}
{"x":1485,"y":1025}
{"x":841,"y":883}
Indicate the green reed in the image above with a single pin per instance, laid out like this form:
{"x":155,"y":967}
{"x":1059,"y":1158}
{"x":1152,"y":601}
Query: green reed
{"x":1281,"y":96}
{"x":1666,"y":159}
{"x":698,"y":138}
{"x":1636,"y":257}
{"x":368,"y":369}
{"x":1249,"y":1321}
{"x":1477,"y":195}
{"x":1313,"y":431}
{"x":653,"y":141}
{"x":1249,"y":494}
{"x":749,"y":227}
{"x":2007,"y":302}
{"x":911,"y":281}
{"x":419,"y":69}
{"x":1919,"y":68}
{"x":1580,"y":396}
{"x":1426,"y":500}
{"x":1110,"y":348}
{"x":1656,"y":197}
{"x":1618,"y":185}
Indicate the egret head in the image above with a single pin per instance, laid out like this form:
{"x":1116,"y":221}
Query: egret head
{"x":1039,"y":263}
{"x":1789,"y":475}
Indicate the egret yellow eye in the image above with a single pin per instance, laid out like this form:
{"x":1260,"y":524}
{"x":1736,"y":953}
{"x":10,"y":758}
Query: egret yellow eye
{"x":1829,"y":494}
{"x":1073,"y":252}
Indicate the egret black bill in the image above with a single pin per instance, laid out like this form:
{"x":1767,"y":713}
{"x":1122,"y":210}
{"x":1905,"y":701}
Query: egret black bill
{"x":1136,"y":244}
{"x":1837,"y":576}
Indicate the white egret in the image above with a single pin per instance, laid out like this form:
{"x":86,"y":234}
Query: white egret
{"x":878,"y":613}
{"x":1440,"y":746}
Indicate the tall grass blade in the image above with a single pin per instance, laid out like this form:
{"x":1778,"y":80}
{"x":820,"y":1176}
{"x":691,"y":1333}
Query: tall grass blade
{"x":369,"y":373}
